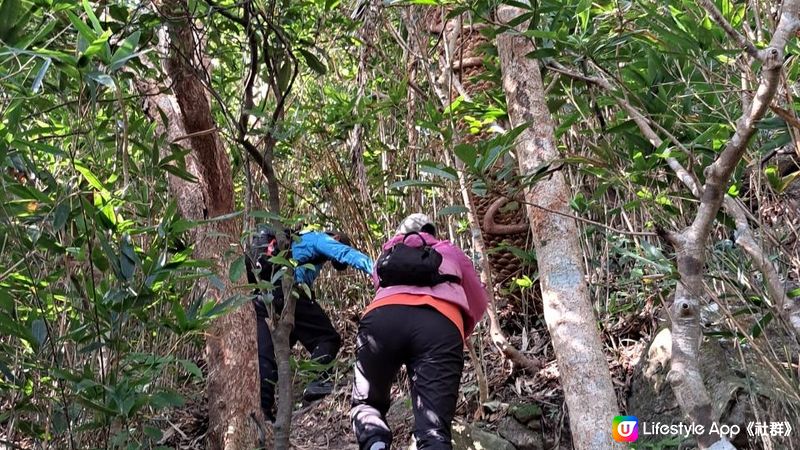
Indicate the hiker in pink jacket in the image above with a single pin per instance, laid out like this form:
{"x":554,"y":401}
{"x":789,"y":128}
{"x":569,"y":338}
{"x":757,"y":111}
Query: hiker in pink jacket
{"x":429,"y":299}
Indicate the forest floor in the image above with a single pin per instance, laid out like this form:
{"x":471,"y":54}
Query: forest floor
{"x":326,"y":424}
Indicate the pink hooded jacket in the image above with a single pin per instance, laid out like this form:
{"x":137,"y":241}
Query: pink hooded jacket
{"x":470,"y":295}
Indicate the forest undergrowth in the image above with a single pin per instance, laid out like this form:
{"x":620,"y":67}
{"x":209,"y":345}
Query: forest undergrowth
{"x":142,"y":143}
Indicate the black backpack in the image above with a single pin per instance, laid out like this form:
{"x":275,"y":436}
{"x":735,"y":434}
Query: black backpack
{"x":415,"y":266}
{"x":265,"y":246}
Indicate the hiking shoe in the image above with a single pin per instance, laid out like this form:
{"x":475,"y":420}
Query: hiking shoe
{"x":317,"y":389}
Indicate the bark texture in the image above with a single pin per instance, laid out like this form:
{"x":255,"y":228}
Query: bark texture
{"x":230,"y":343}
{"x":281,"y":329}
{"x":568,"y":310}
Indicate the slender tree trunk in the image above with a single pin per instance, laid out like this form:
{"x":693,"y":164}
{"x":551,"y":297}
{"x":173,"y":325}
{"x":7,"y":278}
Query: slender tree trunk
{"x":356,"y":139}
{"x":568,"y":310}
{"x":230,"y":343}
{"x":282,"y":326}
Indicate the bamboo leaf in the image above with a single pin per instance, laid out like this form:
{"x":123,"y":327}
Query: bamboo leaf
{"x":37,"y":82}
{"x":313,"y":62}
{"x":413,"y":183}
{"x":125,"y":52}
{"x":83,"y":30}
{"x":60,"y":216}
{"x":97,"y":45}
{"x":92,"y":17}
{"x":452,"y":210}
{"x":90,"y":178}
{"x":236,"y":269}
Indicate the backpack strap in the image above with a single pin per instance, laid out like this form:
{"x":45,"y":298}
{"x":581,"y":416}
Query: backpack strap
{"x":447,"y":278}
{"x":411,"y":233}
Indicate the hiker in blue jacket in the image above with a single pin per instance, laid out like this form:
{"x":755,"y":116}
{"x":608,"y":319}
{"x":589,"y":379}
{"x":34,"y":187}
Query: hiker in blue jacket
{"x":312,"y":327}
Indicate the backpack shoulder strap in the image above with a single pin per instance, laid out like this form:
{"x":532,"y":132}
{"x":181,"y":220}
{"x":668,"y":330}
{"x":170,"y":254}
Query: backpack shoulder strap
{"x":411,"y":233}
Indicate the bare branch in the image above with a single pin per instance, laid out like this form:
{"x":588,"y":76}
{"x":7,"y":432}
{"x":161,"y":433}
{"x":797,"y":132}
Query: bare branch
{"x":195,"y":134}
{"x":786,"y":308}
{"x":718,"y":173}
{"x":686,"y":177}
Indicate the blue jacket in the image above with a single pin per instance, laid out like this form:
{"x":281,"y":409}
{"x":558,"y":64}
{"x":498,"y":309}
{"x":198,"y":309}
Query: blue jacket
{"x":314,"y":244}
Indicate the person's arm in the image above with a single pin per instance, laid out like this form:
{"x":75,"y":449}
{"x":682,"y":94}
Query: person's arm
{"x":336,"y":251}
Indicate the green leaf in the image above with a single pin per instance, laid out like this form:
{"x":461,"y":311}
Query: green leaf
{"x":788,"y":180}
{"x":466,"y":153}
{"x":166,"y":398}
{"x":413,"y":183}
{"x":9,"y":11}
{"x":39,"y":331}
{"x":542,"y":53}
{"x":60,"y":216}
{"x":524,"y":282}
{"x":267,"y":215}
{"x":180,"y":173}
{"x":153,"y":433}
{"x":83,"y":30}
{"x":773,"y":177}
{"x":452,"y":210}
{"x":92,"y":18}
{"x":90,"y":178}
{"x":181,"y":225}
{"x":97,"y":45}
{"x":124,"y":52}
{"x":313,"y":62}
{"x":101,"y":78}
{"x":447,"y":173}
{"x":11,"y":326}
{"x":37,"y":82}
{"x":284,"y":76}
{"x":236,"y":269}
{"x":191,"y":368}
{"x":128,"y":259}
{"x":582,"y":12}
{"x":758,"y":327}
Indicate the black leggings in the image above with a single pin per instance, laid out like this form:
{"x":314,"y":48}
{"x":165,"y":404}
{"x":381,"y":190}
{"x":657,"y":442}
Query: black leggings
{"x":312,"y":328}
{"x":432,"y":349}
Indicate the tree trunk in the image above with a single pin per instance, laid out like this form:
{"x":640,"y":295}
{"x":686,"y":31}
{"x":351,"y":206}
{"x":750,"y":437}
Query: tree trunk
{"x":356,"y":138}
{"x":684,"y":375}
{"x":568,"y":310}
{"x":230,"y":344}
{"x":281,"y":329}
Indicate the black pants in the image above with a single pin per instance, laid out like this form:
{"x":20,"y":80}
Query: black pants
{"x":432,"y":349}
{"x":312,"y":328}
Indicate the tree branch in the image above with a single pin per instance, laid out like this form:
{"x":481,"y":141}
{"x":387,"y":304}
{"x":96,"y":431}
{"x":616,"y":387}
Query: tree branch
{"x":786,"y":308}
{"x":685,"y":376}
{"x":641,"y":121}
{"x":740,"y":39}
